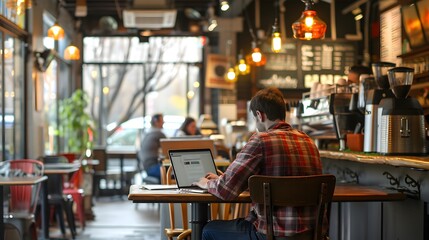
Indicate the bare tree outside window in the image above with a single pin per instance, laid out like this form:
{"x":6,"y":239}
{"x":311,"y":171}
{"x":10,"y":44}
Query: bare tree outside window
{"x":126,"y":79}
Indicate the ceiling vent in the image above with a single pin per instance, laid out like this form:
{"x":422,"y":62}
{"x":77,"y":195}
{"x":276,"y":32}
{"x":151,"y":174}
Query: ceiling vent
{"x":149,"y":19}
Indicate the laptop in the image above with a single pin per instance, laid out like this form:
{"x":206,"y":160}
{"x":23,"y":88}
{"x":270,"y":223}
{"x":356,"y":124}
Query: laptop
{"x":189,"y":165}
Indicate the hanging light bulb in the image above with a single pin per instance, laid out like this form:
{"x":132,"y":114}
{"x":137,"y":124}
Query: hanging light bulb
{"x":231,"y":75}
{"x":224,"y":5}
{"x":242,"y":67}
{"x":276,"y":40}
{"x":309,"y":26}
{"x":71,"y":53}
{"x":56,"y":32}
{"x":256,"y":58}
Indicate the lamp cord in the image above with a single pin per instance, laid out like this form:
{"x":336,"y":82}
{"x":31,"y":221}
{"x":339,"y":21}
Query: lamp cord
{"x":251,"y":31}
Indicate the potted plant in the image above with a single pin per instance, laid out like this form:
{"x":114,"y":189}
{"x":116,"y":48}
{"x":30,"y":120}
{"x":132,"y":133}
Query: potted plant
{"x":76,"y":125}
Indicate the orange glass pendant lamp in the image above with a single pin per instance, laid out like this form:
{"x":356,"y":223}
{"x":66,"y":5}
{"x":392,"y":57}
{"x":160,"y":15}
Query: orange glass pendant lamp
{"x":56,"y":32}
{"x":71,"y":53}
{"x":309,"y":26}
{"x":256,"y":57}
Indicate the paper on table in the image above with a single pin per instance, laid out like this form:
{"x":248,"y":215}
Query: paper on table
{"x":158,"y":187}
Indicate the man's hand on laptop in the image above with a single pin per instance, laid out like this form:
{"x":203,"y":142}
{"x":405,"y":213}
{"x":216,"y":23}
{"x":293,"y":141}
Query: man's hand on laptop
{"x":202,"y":183}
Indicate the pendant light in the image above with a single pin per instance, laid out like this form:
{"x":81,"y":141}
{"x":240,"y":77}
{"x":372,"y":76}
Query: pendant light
{"x":242,"y":67}
{"x":276,"y":38}
{"x":256,"y":57}
{"x":56,"y":31}
{"x":71,"y":53}
{"x":231,"y":75}
{"x":309,"y":26}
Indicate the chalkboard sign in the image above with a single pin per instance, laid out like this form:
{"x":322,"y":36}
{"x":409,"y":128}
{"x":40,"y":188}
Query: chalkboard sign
{"x":301,"y":63}
{"x":281,"y":69}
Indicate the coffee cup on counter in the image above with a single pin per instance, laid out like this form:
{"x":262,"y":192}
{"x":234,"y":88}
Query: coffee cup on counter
{"x":355,"y":142}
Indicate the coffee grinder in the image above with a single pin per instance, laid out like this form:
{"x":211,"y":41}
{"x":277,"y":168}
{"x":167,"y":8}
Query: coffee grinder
{"x":372,"y":101}
{"x":402,"y":123}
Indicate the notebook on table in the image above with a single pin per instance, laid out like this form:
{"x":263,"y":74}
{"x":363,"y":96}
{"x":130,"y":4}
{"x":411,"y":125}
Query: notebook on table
{"x":189,"y":165}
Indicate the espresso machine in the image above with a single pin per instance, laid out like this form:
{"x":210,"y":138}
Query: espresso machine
{"x":372,"y":102}
{"x":402,"y":123}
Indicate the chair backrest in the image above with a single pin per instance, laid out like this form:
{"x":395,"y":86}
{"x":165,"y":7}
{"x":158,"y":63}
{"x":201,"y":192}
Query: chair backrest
{"x":101,"y":155}
{"x":293,"y":191}
{"x":23,"y":198}
{"x":56,"y":182}
{"x":184,"y":208}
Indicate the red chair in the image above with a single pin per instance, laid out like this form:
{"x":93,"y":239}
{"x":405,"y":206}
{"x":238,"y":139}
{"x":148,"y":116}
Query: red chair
{"x":23,"y":199}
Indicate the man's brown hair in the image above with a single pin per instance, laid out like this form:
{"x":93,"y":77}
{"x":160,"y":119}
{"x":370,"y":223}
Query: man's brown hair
{"x":269,"y":101}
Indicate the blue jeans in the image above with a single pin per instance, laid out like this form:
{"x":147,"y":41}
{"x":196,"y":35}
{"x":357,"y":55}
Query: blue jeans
{"x":237,"y":229}
{"x":154,"y":171}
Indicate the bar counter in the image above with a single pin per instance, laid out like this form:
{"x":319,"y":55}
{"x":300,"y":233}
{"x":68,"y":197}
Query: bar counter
{"x":397,"y":161}
{"x":378,"y":220}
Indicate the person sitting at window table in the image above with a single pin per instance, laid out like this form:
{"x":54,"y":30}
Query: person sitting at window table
{"x":188,"y":128}
{"x":275,"y":149}
{"x":150,"y":147}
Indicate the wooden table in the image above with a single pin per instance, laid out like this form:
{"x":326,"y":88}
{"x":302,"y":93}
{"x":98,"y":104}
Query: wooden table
{"x":199,"y":202}
{"x":13,"y":181}
{"x":121,"y":153}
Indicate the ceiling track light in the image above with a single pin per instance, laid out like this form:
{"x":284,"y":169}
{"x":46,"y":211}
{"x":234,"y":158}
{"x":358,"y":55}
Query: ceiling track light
{"x":224,"y":5}
{"x":309,"y":26}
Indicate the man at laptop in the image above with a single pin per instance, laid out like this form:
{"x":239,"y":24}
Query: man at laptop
{"x":276,"y":149}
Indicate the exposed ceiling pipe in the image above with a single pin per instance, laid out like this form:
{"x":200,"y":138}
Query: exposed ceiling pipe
{"x":333,"y":21}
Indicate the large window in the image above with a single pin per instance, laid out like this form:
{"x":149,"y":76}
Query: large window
{"x":12,"y":100}
{"x":56,"y":86}
{"x":127,"y":79}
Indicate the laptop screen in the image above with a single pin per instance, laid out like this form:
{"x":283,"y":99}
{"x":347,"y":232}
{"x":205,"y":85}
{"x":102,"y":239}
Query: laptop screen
{"x":190,"y":165}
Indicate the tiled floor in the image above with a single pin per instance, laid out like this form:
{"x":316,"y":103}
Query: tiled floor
{"x":119,"y":219}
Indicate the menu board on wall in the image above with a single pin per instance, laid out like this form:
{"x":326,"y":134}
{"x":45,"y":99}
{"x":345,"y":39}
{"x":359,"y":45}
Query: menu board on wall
{"x":390,"y":35}
{"x":281,"y":69}
{"x":307,"y":62}
{"x":326,"y":61}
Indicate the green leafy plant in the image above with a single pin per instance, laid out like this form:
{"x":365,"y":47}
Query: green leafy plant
{"x":76,"y":125}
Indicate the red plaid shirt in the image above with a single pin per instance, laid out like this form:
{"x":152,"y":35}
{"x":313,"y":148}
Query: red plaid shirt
{"x":280,"y":151}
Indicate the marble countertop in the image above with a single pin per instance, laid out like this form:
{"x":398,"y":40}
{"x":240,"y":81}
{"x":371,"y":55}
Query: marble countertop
{"x":419,"y":162}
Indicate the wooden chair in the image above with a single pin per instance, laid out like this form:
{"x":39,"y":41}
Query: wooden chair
{"x":293,"y":191}
{"x":173,"y":231}
{"x":23,"y":198}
